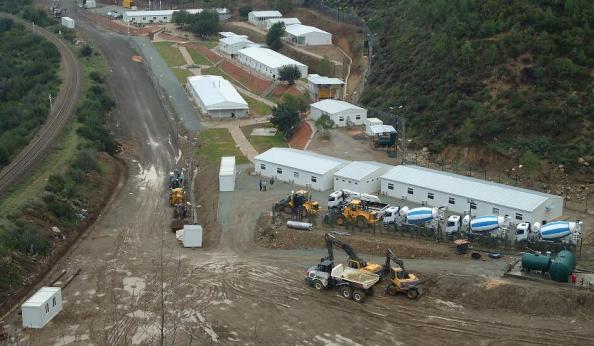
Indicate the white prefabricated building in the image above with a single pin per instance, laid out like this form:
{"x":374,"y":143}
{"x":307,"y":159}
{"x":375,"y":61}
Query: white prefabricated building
{"x":299,"y":167}
{"x":305,"y":35}
{"x":90,"y":4}
{"x":68,"y":22}
{"x":41,"y":307}
{"x":166,"y":16}
{"x":190,"y":236}
{"x":322,"y":87}
{"x":286,"y":22}
{"x":461,"y":194}
{"x":267,"y":62}
{"x":370,"y":122}
{"x":232,"y":45}
{"x":341,"y":112}
{"x":259,"y":18}
{"x":227,"y":174}
{"x":216,"y":97}
{"x":360,"y":176}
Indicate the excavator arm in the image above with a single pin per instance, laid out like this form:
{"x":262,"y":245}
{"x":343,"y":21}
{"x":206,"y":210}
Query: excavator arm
{"x":390,"y":256}
{"x":331,"y":241}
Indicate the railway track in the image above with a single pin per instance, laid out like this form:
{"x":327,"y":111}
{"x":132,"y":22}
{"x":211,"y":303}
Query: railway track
{"x":61,"y":112}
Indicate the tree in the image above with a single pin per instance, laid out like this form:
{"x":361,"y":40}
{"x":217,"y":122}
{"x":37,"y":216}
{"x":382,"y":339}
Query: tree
{"x":204,"y":23}
{"x":86,"y":50}
{"x":181,"y":18}
{"x":273,"y":37}
{"x":467,"y":52}
{"x":244,"y":11}
{"x":467,"y":131}
{"x":299,"y":103}
{"x":324,"y":66}
{"x":289,"y":74}
{"x":324,"y":124}
{"x":530,"y":162}
{"x":286,"y":118}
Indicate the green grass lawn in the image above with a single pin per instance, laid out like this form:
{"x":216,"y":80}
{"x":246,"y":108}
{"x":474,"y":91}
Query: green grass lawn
{"x":263,"y":143}
{"x":181,"y":74}
{"x":198,"y":57}
{"x":216,"y":143}
{"x":170,"y":54}
{"x":210,"y":44}
{"x":258,"y":108}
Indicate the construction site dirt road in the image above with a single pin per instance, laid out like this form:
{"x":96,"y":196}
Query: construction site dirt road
{"x":137,"y":285}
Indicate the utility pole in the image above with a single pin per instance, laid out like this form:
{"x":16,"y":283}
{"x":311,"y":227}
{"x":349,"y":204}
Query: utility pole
{"x":402,"y":122}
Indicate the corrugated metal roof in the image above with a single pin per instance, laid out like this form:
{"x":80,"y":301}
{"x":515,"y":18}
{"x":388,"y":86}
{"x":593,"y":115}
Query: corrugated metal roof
{"x":41,"y":296}
{"x":286,"y":21}
{"x":334,"y":106}
{"x":301,"y":160}
{"x":269,"y":57}
{"x":235,"y":39}
{"x":263,"y":14}
{"x":228,"y":34}
{"x":322,"y":80}
{"x":472,"y":188}
{"x":375,"y":129}
{"x":217,"y":93}
{"x":227,"y":165}
{"x":359,"y":170}
{"x":300,"y":30}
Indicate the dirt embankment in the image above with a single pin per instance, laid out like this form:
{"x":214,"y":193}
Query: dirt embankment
{"x":278,"y":236}
{"x":207,"y":201}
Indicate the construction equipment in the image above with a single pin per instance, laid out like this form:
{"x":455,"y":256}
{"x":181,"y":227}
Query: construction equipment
{"x":354,"y":261}
{"x":401,"y":281}
{"x":128,"y":3}
{"x":176,"y":179}
{"x":352,"y":283}
{"x":355,"y":211}
{"x":298,"y":203}
{"x":56,"y":9}
{"x":177,"y":196}
{"x":338,"y":198}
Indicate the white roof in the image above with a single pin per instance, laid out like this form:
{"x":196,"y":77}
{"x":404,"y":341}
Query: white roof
{"x":286,"y":21}
{"x":358,"y":170}
{"x":235,"y":39}
{"x":160,"y":12}
{"x":301,"y":160}
{"x":269,"y":57}
{"x":472,"y":188}
{"x":226,"y":33}
{"x":300,"y":30}
{"x":263,"y":14}
{"x":381,"y":128}
{"x":334,"y":106}
{"x":41,"y":296}
{"x":217,"y":93}
{"x":227,"y":165}
{"x":322,"y":80}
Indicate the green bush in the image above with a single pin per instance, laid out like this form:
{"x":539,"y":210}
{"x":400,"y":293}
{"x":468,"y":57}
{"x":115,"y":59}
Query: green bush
{"x":26,"y":239}
{"x":86,"y":50}
{"x":244,"y":11}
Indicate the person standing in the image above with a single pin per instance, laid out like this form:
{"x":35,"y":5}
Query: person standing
{"x":260,"y":184}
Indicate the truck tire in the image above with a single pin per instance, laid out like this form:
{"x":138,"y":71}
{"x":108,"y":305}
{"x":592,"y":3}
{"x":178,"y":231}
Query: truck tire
{"x":391,"y":289}
{"x":318,"y":285}
{"x":413,"y":293}
{"x":359,"y":296}
{"x":362,"y":222}
{"x":346,"y":292}
{"x":339,"y":221}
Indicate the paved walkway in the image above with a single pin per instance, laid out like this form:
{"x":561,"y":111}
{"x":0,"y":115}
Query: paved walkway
{"x":187,"y":57}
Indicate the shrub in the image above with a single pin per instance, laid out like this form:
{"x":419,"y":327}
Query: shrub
{"x":244,"y":11}
{"x":86,"y":50}
{"x":27,"y":239}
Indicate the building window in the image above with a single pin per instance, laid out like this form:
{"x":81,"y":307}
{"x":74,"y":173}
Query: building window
{"x":430,"y":195}
{"x":46,"y":308}
{"x":357,"y":117}
{"x":54,"y":301}
{"x":279,"y":170}
{"x":314,"y":179}
{"x":390,"y":186}
{"x":452,"y":200}
{"x":356,"y":183}
{"x":496,"y":211}
{"x":519,"y":216}
{"x":411,"y":191}
{"x":472,"y":205}
{"x":296,"y":174}
{"x":340,"y":118}
{"x":349,"y":181}
{"x":262,"y":166}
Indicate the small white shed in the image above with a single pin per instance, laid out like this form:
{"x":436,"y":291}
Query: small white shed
{"x":284,"y":21}
{"x":259,"y":18}
{"x":340,"y":111}
{"x":90,"y":4}
{"x":360,"y":176}
{"x":370,"y":122}
{"x":68,"y":22}
{"x":231,"y":45}
{"x":305,"y":35}
{"x":41,"y":307}
{"x":190,"y":236}
{"x":227,"y":174}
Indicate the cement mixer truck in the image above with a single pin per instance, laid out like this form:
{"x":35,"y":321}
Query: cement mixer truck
{"x":339,"y":198}
{"x":495,"y":226}
{"x":422,"y":216}
{"x":566,"y":232}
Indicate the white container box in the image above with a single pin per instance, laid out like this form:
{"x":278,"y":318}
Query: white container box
{"x":41,"y":307}
{"x":369,"y":122}
{"x":68,"y":22}
{"x":90,"y":4}
{"x":190,"y":236}
{"x":227,"y":174}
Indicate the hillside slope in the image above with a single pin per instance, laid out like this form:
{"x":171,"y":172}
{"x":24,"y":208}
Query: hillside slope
{"x":513,"y":75}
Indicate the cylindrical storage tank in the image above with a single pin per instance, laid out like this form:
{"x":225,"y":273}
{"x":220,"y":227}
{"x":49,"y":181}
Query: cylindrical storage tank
{"x":536,"y":262}
{"x":306,"y":226}
{"x":562,"y":266}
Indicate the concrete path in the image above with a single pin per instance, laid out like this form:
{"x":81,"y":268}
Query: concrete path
{"x":187,"y":57}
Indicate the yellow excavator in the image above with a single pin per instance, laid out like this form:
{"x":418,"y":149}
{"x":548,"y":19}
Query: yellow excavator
{"x":354,"y":260}
{"x":355,"y":212}
{"x":177,"y":196}
{"x":401,"y":281}
{"x":299,"y":203}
